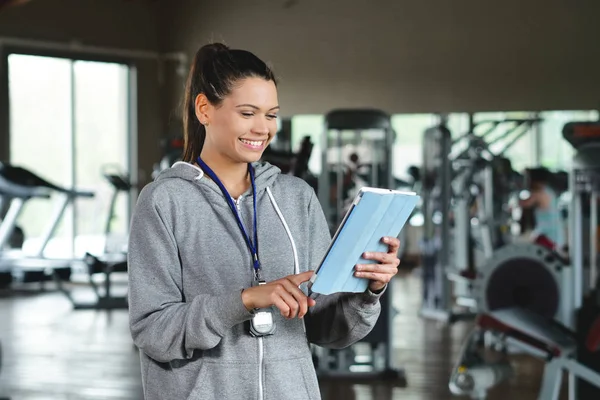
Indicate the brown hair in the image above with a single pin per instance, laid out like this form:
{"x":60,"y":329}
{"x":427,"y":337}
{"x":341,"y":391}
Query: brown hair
{"x":215,"y":70}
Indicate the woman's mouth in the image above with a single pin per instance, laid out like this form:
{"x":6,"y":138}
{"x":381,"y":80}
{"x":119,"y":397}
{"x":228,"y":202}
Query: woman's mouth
{"x":253,"y":144}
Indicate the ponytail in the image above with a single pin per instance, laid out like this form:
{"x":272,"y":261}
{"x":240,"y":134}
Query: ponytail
{"x":214,"y":72}
{"x":194,"y":132}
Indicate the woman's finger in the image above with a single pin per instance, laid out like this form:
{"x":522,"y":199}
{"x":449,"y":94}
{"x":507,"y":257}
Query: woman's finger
{"x":284,"y":309}
{"x":383,"y":258}
{"x":300,"y":297}
{"x":393,"y":244}
{"x":378,"y":268}
{"x":294,"y":307}
{"x":375,"y":276}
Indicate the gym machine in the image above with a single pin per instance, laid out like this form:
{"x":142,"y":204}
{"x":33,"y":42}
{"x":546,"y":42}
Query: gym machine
{"x":172,"y":149}
{"x":22,"y":185}
{"x":539,"y":302}
{"x":357,"y":151}
{"x":436,"y":192}
{"x":535,"y":335}
{"x":281,"y":154}
{"x":2,"y":398}
{"x":8,"y":192}
{"x":109,"y":262}
{"x":464,"y":189}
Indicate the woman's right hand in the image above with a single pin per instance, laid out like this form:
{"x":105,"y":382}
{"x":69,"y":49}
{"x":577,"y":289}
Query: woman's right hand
{"x":283,"y":293}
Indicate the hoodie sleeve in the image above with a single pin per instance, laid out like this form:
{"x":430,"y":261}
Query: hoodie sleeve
{"x":163,"y":324}
{"x":341,"y":319}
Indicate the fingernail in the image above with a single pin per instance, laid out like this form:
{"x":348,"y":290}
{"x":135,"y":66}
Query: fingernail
{"x":367,"y":254}
{"x":386,"y":239}
{"x":358,"y":267}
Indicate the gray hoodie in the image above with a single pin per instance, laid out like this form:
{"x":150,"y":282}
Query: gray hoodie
{"x":188,"y":263}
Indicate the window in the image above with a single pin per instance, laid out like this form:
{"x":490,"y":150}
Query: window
{"x":408,"y":146}
{"x":311,"y":126}
{"x":517,"y":144}
{"x":67,"y":125}
{"x":555,"y":152}
{"x":458,"y":123}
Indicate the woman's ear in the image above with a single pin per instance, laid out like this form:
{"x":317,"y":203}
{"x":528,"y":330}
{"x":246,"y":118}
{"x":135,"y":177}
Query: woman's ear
{"x":202,"y":106}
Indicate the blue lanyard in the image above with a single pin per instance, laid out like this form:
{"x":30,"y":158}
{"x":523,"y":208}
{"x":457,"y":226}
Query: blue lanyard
{"x":253,"y":247}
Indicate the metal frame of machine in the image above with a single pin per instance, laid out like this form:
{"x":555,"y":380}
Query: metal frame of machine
{"x":2,"y":398}
{"x":557,"y":339}
{"x":109,"y":262}
{"x":371,"y":128}
{"x":549,"y":274}
{"x":452,"y":180}
{"x":29,"y":186}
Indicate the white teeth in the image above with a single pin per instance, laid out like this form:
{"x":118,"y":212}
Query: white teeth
{"x":252,"y":142}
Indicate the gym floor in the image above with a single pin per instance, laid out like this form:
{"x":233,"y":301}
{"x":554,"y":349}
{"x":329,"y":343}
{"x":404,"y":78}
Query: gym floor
{"x":52,"y":352}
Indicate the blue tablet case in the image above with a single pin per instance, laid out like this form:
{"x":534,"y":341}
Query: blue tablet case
{"x":375,"y":213}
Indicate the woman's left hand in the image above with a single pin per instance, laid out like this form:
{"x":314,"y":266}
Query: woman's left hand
{"x":381,"y":273}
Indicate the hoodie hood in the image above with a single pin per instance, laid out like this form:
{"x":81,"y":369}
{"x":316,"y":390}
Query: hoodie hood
{"x":264,"y":175}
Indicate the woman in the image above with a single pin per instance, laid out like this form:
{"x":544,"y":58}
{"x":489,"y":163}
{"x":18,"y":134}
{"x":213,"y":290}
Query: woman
{"x":205,"y":285}
{"x":543,"y":200}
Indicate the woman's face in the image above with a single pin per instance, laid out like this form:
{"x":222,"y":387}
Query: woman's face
{"x":243,"y":125}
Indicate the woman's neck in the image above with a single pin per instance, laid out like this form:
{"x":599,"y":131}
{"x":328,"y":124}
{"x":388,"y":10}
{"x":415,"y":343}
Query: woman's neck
{"x":233,"y":175}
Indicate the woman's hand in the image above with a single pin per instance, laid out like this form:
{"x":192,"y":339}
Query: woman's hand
{"x":380,"y":274}
{"x":283,"y":294}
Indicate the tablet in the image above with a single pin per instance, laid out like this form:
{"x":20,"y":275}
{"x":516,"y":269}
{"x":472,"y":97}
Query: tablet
{"x":374,"y":213}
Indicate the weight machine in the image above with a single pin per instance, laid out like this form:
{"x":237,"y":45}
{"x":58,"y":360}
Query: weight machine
{"x":357,"y":152}
{"x":463,"y":194}
{"x":536,"y":300}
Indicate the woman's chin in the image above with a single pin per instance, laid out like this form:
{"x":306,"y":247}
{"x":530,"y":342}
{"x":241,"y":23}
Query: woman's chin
{"x":251,"y":157}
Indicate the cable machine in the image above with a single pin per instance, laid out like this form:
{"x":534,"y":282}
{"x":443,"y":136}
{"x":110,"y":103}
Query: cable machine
{"x":537,"y":301}
{"x":357,"y":151}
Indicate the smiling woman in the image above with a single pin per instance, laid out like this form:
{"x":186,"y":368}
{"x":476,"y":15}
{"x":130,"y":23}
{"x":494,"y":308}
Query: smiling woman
{"x":238,"y":131}
{"x":215,"y":315}
{"x":229,"y":121}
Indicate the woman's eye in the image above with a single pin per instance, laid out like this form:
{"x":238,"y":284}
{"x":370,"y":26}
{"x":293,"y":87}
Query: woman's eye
{"x":271,"y":116}
{"x":247,"y":114}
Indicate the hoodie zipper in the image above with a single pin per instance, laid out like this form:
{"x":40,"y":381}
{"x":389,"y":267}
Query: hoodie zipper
{"x":260,"y":340}
{"x":260,"y":369}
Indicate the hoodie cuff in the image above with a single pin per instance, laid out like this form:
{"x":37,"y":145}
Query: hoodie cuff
{"x":230,"y":310}
{"x":373,"y":298}
{"x":367,"y":300}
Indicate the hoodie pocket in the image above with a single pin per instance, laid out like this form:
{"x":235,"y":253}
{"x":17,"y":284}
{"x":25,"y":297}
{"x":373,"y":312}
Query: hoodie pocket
{"x":291,"y":380}
{"x":223,"y":381}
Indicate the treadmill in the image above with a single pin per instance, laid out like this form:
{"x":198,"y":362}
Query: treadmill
{"x":18,"y":185}
{"x":110,"y":262}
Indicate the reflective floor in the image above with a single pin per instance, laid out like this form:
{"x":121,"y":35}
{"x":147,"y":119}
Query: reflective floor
{"x":53,"y":352}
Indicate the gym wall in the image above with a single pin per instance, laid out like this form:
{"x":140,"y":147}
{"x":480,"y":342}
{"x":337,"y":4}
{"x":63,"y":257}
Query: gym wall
{"x":407,"y":56}
{"x":106,"y":23}
{"x":400,"y":56}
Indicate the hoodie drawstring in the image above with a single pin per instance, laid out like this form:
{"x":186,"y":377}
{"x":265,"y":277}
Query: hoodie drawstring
{"x":289,"y":233}
{"x":283,"y":221}
{"x":200,"y":174}
{"x":287,"y":229}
